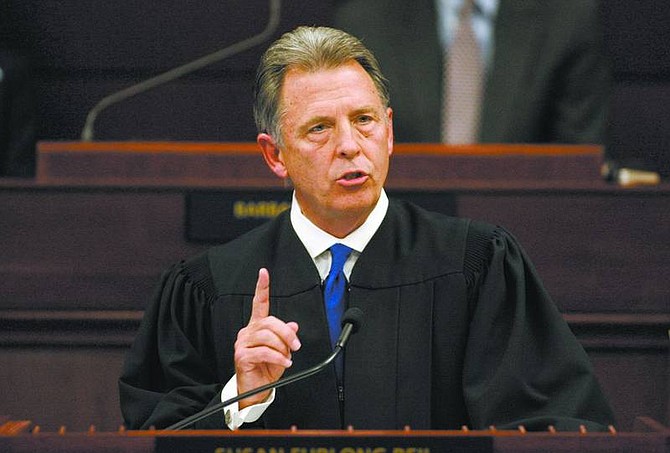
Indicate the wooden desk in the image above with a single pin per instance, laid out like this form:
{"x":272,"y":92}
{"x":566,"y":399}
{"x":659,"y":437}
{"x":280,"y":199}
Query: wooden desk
{"x":83,"y":246}
{"x":352,"y":441}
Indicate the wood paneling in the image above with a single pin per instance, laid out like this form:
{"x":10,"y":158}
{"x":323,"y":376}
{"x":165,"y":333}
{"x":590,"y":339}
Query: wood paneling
{"x":595,"y":250}
{"x":82,"y":252}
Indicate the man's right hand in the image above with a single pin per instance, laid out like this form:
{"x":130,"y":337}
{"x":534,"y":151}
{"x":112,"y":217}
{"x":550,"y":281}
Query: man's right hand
{"x":263,"y":348}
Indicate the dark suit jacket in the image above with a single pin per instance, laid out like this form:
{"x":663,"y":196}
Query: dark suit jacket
{"x":548,"y":80}
{"x":17,"y":115}
{"x":458,"y":331}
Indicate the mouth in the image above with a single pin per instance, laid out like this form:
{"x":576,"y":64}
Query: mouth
{"x":353,"y":178}
{"x":353,"y":175}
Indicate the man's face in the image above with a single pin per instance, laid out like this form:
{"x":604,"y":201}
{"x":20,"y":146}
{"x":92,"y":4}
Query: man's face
{"x":337,"y":139}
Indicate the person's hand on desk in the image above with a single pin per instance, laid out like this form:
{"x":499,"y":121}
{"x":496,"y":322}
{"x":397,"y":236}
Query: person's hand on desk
{"x":263,"y":348}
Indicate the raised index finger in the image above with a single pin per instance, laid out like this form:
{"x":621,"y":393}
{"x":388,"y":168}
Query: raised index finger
{"x":260,"y":307}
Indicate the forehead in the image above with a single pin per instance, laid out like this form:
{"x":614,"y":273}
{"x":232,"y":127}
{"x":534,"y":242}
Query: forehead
{"x":348,"y":81}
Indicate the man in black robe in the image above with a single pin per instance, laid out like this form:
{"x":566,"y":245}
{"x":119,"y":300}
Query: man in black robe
{"x":458,"y":327}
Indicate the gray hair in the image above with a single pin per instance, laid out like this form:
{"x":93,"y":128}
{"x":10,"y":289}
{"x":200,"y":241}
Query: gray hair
{"x":310,"y":49}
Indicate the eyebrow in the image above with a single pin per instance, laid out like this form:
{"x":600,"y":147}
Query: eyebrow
{"x":326,"y":118}
{"x":367,"y":109}
{"x":313,"y":121}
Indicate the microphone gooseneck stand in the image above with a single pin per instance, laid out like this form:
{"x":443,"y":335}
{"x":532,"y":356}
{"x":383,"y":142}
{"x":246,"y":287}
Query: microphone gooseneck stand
{"x":351,"y":321}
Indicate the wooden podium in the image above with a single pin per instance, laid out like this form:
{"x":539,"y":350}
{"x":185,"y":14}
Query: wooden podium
{"x":15,"y":438}
{"x":229,"y":164}
{"x":83,"y":246}
{"x":552,"y":197}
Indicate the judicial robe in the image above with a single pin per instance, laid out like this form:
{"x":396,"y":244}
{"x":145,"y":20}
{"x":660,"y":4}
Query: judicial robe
{"x":458,"y":330}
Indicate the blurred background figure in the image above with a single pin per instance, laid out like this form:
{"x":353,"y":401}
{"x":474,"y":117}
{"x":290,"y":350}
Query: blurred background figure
{"x":544,"y":76}
{"x":17,"y":112}
{"x":637,"y":40}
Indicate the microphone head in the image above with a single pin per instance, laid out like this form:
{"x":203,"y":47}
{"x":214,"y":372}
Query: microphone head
{"x":353,"y":316}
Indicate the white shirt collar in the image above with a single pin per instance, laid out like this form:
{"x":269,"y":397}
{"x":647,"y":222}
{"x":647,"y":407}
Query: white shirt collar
{"x":317,"y":241}
{"x":483,"y":23}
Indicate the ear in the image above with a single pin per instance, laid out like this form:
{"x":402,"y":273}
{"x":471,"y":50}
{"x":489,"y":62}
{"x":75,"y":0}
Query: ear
{"x":272,"y":155}
{"x":389,"y":119}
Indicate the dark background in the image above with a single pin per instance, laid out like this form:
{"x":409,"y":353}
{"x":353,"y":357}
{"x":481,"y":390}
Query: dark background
{"x":65,"y":321}
{"x":81,"y":51}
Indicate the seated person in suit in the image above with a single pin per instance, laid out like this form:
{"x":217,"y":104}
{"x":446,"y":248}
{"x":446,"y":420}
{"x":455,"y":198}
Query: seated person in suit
{"x":458,"y":327}
{"x":18,"y":118}
{"x":545,"y":76}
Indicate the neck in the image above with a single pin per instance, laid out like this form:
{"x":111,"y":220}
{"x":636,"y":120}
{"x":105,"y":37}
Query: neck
{"x":343,"y":225}
{"x":339,"y":223}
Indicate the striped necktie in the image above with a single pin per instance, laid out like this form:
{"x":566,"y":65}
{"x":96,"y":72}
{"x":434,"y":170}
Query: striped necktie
{"x":463,"y":84}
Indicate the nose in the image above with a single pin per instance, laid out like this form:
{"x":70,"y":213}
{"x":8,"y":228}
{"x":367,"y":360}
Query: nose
{"x":347,"y":144}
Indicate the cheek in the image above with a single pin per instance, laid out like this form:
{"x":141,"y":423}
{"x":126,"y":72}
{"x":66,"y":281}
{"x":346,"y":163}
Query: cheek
{"x":308,"y":169}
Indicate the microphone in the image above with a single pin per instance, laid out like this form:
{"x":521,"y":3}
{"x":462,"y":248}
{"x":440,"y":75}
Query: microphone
{"x":180,"y":71}
{"x":352,"y":320}
{"x":629,"y":177}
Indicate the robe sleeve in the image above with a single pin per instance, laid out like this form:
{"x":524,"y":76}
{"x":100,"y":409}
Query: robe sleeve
{"x":523,"y":365}
{"x":170,"y":371}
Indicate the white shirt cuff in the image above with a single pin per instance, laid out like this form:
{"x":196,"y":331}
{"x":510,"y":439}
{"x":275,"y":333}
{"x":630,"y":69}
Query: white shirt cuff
{"x":234,"y":417}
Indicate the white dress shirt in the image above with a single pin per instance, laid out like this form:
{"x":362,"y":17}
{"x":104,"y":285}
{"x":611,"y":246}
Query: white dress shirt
{"x":316,"y":242}
{"x":483,"y":23}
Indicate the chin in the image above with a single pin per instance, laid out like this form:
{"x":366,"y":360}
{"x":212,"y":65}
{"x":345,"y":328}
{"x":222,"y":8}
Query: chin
{"x":359,"y":203}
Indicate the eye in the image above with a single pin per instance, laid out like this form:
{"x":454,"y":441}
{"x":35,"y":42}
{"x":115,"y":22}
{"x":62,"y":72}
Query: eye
{"x":365,"y":119}
{"x":317,"y":128}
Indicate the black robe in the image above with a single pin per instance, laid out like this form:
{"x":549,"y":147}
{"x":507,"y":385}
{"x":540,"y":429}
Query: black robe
{"x":458,"y":330}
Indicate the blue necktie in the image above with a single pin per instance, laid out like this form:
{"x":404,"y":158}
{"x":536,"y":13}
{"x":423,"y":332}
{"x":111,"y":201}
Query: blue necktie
{"x":336,"y":284}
